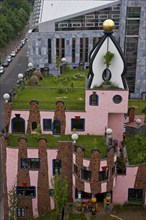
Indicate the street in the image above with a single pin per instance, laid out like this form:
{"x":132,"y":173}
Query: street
{"x":18,"y":65}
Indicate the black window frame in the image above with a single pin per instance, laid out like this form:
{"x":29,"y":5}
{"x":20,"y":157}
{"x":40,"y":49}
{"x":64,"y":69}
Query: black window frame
{"x":29,"y":163}
{"x":20,"y":212}
{"x":86,"y":174}
{"x":94,"y":99}
{"x":33,"y":125}
{"x":57,"y":166}
{"x":26,"y":191}
{"x":135,"y":195}
{"x":103,"y":175}
{"x":47,"y":127}
{"x":74,"y":124}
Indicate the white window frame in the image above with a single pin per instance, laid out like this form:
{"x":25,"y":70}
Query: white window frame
{"x":90,"y":24}
{"x":116,"y":8}
{"x":102,"y":16}
{"x":63,"y":25}
{"x":76,"y":24}
{"x":90,"y":17}
{"x":115,"y":16}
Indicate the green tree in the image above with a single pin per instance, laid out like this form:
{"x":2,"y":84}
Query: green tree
{"x":12,"y":197}
{"x":60,"y":193}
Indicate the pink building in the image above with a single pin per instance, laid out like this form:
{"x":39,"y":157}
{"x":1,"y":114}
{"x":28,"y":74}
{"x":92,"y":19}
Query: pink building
{"x":30,"y":170}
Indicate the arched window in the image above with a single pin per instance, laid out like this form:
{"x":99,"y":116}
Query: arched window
{"x":18,"y":125}
{"x":33,"y":125}
{"x":93,"y":99}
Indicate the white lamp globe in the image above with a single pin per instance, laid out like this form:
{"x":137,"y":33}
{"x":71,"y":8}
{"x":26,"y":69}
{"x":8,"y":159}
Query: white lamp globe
{"x":63,"y":59}
{"x":6,"y":97}
{"x":30,"y":65}
{"x":138,"y":122}
{"x":74,"y":137}
{"x":109,"y":131}
{"x":20,"y":76}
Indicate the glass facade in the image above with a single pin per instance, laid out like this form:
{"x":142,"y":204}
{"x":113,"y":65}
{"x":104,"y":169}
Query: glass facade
{"x":131,"y":44}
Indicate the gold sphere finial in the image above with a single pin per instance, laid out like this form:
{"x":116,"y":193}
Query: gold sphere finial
{"x":108,"y":25}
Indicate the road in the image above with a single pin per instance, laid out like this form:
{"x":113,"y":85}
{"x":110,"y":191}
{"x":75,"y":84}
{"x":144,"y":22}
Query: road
{"x":18,"y":65}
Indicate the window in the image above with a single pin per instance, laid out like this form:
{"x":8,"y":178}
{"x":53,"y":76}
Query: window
{"x":117,"y":99}
{"x":73,"y":50}
{"x":85,"y":174}
{"x":20,"y":212}
{"x":49,"y":51}
{"x":76,"y":24}
{"x":90,"y":16}
{"x":26,"y":191}
{"x":113,"y":170}
{"x":30,"y":163}
{"x":50,"y":191}
{"x":57,"y":166}
{"x":103,"y":175}
{"x":94,"y":99}
{"x":84,"y":195}
{"x":75,"y":169}
{"x":78,"y":124}
{"x":18,"y":124}
{"x":84,"y":49}
{"x":47,"y":124}
{"x":135,"y":196}
{"x":34,"y":125}
{"x":60,"y":47}
{"x":90,"y":24}
{"x":63,"y":25}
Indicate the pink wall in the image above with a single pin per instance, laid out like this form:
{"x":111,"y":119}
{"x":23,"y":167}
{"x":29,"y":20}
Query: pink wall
{"x":114,"y":122}
{"x":96,"y":116}
{"x":11,"y":167}
{"x":123,"y":182}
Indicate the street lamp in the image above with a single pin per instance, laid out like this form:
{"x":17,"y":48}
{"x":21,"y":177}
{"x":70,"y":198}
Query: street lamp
{"x":6,"y":97}
{"x":63,"y":60}
{"x":74,"y":137}
{"x":20,"y":77}
{"x":30,"y":68}
{"x":108,"y":137}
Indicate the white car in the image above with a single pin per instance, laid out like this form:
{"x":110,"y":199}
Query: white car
{"x":1,"y":70}
{"x":13,"y":54}
{"x":9,"y":59}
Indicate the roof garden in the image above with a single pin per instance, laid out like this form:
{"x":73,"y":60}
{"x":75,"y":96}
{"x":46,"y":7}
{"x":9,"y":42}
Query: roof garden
{"x":87,"y":141}
{"x":136,"y":149}
{"x":68,"y":87}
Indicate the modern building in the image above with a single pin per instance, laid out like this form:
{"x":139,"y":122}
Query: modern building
{"x":70,"y":29}
{"x":29,"y":170}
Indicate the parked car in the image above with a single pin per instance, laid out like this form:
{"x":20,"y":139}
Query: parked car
{"x":1,"y":70}
{"x":13,"y":53}
{"x":5,"y":63}
{"x":9,"y":58}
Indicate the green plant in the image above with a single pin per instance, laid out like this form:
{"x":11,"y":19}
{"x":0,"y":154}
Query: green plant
{"x":58,"y":61}
{"x":12,"y":198}
{"x":60,"y":193}
{"x":108,"y":58}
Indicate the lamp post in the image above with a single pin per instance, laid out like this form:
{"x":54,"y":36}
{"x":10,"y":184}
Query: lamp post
{"x":108,"y":137}
{"x":74,"y":137}
{"x":62,"y":66}
{"x":6,"y":97}
{"x":30,"y":69}
{"x":20,"y":77}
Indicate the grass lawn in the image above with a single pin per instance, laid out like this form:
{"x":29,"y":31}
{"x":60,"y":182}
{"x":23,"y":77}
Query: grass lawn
{"x":138,"y":104}
{"x":69,"y":87}
{"x":136,"y":149}
{"x":88,"y":141}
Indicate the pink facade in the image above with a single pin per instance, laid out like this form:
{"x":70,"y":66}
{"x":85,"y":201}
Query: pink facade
{"x":97,"y":117}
